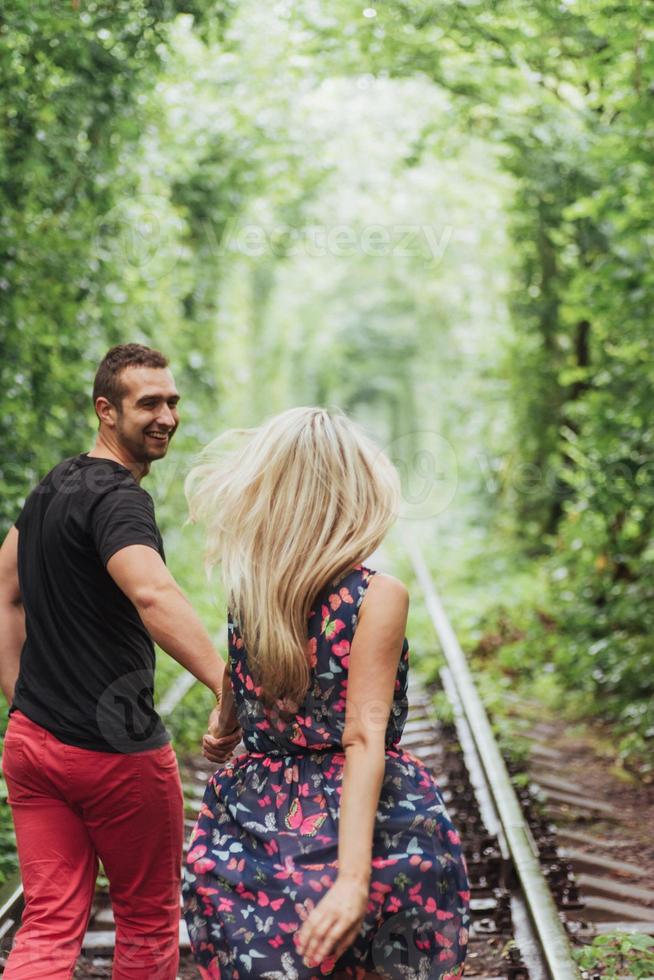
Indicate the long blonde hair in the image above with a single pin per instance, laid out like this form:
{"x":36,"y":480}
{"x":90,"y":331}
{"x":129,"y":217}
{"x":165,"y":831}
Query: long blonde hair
{"x":300,"y":501}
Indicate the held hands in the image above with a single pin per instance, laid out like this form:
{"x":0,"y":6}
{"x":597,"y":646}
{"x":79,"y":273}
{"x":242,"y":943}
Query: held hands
{"x":218,"y":743}
{"x":334,"y":923}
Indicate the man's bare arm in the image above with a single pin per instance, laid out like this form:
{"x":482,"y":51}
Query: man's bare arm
{"x":168,"y":616}
{"x":12,"y":615}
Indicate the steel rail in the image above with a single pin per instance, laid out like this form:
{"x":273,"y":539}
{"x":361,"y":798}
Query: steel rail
{"x":523,"y":852}
{"x":11,"y":900}
{"x":523,"y":929}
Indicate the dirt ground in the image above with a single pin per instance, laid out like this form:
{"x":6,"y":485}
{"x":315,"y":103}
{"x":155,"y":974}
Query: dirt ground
{"x":586,"y":759}
{"x":100,"y":967}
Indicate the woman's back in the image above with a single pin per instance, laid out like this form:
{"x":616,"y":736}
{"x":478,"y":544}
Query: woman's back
{"x":265,"y":849}
{"x":318,"y":723}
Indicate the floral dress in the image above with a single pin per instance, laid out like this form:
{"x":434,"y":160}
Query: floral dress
{"x":264,"y":849}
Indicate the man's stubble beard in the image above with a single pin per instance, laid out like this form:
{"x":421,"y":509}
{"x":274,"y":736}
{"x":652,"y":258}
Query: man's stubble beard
{"x":139,"y":450}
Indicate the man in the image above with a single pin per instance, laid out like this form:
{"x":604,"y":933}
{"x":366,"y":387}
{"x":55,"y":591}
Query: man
{"x":84,"y":591}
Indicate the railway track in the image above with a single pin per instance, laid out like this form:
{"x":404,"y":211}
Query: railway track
{"x":535,"y":891}
{"x":562,"y":887}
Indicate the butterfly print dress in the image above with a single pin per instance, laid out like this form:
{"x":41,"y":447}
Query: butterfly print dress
{"x":264,"y":850}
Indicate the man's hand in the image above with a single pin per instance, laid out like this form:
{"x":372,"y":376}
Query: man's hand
{"x":219,"y":741}
{"x":219,"y":750}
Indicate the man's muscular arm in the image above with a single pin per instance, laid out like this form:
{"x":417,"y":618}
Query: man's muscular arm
{"x":168,"y":616}
{"x":12,"y":615}
{"x":140,"y":572}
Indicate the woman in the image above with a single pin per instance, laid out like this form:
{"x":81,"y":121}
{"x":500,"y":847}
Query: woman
{"x":324,"y":849}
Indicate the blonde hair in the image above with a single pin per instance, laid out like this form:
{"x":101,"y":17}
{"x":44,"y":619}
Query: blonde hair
{"x":302,"y":500}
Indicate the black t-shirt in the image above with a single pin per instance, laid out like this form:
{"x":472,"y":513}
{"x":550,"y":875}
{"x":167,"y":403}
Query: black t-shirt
{"x":87,"y":666}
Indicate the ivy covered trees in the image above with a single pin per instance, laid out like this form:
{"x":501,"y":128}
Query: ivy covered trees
{"x":74,"y":78}
{"x":165,"y":168}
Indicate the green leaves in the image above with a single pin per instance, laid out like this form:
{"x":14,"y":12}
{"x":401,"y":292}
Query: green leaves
{"x":162,"y":178}
{"x":75,"y":80}
{"x":619,"y":955}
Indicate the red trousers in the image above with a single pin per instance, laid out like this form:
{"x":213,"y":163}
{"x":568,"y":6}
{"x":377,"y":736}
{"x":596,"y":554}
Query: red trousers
{"x":72,"y":807}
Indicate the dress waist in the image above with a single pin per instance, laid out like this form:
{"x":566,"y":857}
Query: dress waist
{"x":302,"y":751}
{"x":334,"y":749}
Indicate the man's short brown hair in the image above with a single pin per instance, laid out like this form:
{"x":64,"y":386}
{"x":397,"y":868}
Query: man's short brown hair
{"x":107,"y":382}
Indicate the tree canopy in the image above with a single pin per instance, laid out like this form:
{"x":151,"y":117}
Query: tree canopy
{"x":435,"y":213}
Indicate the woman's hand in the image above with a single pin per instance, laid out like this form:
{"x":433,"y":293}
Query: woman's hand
{"x":221,"y":738}
{"x":335,"y":922}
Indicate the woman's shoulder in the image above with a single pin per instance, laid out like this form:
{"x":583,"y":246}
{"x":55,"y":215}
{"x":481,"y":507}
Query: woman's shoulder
{"x":371,"y":581}
{"x":383,"y":588}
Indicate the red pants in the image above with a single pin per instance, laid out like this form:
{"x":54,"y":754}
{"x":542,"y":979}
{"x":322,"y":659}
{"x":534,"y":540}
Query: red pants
{"x":72,"y":807}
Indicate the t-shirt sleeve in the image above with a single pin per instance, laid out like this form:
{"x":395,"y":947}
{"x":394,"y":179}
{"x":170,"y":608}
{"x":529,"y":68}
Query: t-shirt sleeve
{"x":20,"y":521}
{"x":123,"y":517}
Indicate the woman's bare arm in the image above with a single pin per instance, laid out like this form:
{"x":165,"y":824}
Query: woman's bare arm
{"x":334,"y":923}
{"x":374,"y":660}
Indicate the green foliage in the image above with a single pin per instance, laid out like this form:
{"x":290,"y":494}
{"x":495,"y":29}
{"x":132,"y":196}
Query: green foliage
{"x":74,"y":80}
{"x":188,"y":722}
{"x":70,"y":80}
{"x":141,"y":143}
{"x":618,"y":955}
{"x":563,"y":91}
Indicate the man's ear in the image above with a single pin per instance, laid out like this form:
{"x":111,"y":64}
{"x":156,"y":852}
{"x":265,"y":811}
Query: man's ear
{"x":105,"y":411}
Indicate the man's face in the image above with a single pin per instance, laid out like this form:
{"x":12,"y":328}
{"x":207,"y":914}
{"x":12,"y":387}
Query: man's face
{"x":148,"y":415}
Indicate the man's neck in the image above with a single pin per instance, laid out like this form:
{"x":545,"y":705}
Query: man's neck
{"x":105,"y":450}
